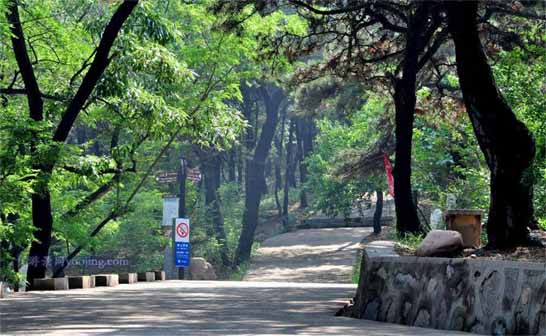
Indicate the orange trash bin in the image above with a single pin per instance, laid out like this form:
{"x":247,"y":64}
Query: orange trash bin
{"x":468,"y":222}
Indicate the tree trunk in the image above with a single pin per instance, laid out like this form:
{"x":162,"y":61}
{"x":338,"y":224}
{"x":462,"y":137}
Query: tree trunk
{"x":269,"y":171}
{"x":251,"y":212}
{"x":279,"y":144}
{"x":507,"y":144}
{"x":231,"y":165}
{"x":278,"y":183}
{"x":43,"y":222}
{"x":404,"y":100}
{"x":289,"y":171}
{"x":240,"y":163}
{"x":300,"y":135}
{"x":305,"y":146}
{"x":272,"y":97}
{"x":378,"y":212}
{"x":212,"y":164}
{"x":41,"y":203}
{"x":407,"y":220}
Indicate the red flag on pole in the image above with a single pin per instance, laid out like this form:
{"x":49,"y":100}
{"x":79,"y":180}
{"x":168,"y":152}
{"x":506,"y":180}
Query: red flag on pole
{"x":388,"y":169}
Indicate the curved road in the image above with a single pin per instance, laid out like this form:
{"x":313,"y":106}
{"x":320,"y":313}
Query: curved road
{"x":312,"y":255}
{"x":290,"y":305}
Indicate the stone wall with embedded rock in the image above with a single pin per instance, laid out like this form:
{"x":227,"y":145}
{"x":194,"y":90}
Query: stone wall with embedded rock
{"x":479,"y":296}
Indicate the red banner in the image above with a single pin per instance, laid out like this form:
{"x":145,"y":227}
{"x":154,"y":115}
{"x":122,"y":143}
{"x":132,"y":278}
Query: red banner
{"x":390,"y":178}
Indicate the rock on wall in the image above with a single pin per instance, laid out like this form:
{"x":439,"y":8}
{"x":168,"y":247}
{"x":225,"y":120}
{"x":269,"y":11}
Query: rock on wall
{"x":480,"y":296}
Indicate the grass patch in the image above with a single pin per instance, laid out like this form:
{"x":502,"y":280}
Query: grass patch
{"x":355,"y":276}
{"x":408,"y":243}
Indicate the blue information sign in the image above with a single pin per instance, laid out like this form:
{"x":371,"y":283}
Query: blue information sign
{"x":182,"y":242}
{"x":182,"y":254}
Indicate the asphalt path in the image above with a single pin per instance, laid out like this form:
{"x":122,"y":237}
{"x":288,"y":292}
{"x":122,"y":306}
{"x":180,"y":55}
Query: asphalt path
{"x":193,"y":308}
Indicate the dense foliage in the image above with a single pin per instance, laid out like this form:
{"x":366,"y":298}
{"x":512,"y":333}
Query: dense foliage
{"x":284,"y":113}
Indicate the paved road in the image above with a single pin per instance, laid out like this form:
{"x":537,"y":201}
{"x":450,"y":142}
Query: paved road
{"x":192,"y":308}
{"x":313,"y":255}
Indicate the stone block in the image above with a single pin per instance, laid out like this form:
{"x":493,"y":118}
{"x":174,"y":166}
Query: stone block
{"x":106,"y":280}
{"x":146,"y":276}
{"x":51,"y":284}
{"x":128,"y":278}
{"x":159,"y":275}
{"x":2,"y":294}
{"x":75,"y":282}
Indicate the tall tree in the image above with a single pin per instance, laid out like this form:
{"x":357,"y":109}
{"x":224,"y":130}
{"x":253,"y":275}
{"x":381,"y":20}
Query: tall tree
{"x":272,"y":97}
{"x":41,"y":200}
{"x":419,"y":31}
{"x":508,"y":157}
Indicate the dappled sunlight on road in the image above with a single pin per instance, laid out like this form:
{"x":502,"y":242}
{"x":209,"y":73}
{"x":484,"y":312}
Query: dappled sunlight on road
{"x":192,"y":308}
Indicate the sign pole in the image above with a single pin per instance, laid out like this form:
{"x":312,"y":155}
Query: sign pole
{"x":181,"y":203}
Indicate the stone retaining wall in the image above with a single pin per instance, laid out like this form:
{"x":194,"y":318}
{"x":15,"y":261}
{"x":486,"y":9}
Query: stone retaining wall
{"x":479,"y":296}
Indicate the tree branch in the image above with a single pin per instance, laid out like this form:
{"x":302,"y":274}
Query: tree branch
{"x":15,"y":92}
{"x":100,"y":62}
{"x":433,"y":48}
{"x":34,"y":96}
{"x":89,"y":199}
{"x":328,"y":12}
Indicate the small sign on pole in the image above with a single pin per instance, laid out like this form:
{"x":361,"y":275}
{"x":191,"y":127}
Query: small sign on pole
{"x":170,"y":209}
{"x":181,"y":234}
{"x":166,"y":177}
{"x":194,"y":174}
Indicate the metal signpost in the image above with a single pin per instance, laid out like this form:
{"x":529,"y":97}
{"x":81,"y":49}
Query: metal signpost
{"x":177,"y":257}
{"x":181,"y":232}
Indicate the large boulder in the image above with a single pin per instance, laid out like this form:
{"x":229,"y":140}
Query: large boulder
{"x":440,"y":243}
{"x":200,"y":269}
